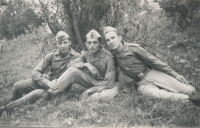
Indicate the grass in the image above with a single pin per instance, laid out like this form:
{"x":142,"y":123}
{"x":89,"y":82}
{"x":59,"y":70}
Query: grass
{"x":129,"y":109}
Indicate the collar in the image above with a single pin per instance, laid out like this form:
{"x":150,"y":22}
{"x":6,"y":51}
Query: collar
{"x":57,"y":52}
{"x":125,"y":48}
{"x":99,"y":55}
{"x":71,"y":52}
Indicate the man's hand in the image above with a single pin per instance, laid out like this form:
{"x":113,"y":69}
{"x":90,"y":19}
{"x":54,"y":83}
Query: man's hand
{"x":182,"y":79}
{"x":85,"y":94}
{"x":93,"y":90}
{"x":92,"y":69}
{"x":53,"y":84}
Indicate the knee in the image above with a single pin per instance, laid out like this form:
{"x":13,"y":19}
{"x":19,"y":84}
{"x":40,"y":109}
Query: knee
{"x":192,"y":90}
{"x":37,"y":92}
{"x":149,"y":91}
{"x":72,"y":70}
{"x":68,"y":73}
{"x":17,"y":86}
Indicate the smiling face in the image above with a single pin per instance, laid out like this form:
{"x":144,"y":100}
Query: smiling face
{"x":113,"y":40}
{"x":64,"y":45}
{"x":93,"y":45}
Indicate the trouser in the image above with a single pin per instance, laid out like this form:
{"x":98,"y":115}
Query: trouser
{"x":29,"y":98}
{"x":29,"y":87}
{"x":106,"y":94}
{"x":24,"y":87}
{"x":159,"y":85}
{"x":75,"y":75}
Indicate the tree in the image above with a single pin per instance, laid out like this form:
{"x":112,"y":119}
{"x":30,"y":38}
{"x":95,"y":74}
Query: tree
{"x":182,"y":12}
{"x":3,"y":3}
{"x":77,"y":17}
{"x":18,"y":18}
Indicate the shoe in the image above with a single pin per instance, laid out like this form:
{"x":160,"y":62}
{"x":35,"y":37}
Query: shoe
{"x":195,"y":97}
{"x":2,"y":109}
{"x":196,"y":103}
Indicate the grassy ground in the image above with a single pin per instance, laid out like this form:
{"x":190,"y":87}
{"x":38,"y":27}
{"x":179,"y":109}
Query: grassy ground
{"x":129,"y":109}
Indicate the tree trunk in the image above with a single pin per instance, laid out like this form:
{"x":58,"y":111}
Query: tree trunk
{"x":76,"y":29}
{"x":1,"y":48}
{"x":74,"y":21}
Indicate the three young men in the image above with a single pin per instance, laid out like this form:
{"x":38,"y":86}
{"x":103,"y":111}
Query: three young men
{"x":94,"y":69}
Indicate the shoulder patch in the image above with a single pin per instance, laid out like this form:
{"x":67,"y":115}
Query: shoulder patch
{"x":52,"y":50}
{"x":84,"y":51}
{"x":133,"y":44}
{"x":108,"y":52}
{"x":49,"y":55}
{"x":73,"y":52}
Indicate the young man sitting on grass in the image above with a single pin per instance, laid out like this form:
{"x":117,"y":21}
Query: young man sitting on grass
{"x":55,"y":62}
{"x":94,"y":69}
{"x":154,"y":78}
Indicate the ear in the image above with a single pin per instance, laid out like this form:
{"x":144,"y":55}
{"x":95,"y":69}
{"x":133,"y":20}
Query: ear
{"x":120,"y":37}
{"x":70,"y":42}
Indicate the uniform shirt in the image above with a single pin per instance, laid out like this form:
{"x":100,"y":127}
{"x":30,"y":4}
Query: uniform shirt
{"x":56,"y":64}
{"x":134,"y":59}
{"x":104,"y":63}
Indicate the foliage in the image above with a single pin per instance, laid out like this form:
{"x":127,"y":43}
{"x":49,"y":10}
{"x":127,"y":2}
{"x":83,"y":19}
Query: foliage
{"x":75,"y":17}
{"x":181,"y":11}
{"x":18,"y":18}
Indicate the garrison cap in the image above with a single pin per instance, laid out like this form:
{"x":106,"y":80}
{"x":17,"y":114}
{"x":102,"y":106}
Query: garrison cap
{"x":93,"y":34}
{"x":61,"y":35}
{"x":109,"y":29}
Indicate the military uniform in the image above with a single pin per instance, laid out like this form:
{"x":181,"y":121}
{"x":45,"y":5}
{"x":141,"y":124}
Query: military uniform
{"x":155,"y":78}
{"x":55,"y":64}
{"x":103,"y":62}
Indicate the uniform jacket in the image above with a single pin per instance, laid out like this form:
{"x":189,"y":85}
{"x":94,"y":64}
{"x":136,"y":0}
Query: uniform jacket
{"x":52,"y":66}
{"x":104,"y":63}
{"x":134,"y":59}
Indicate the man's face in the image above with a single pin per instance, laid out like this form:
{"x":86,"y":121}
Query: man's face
{"x":63,"y":45}
{"x":92,"y":45}
{"x":112,"y":40}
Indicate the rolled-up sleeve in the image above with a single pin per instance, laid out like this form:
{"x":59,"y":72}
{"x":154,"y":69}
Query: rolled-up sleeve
{"x":152,"y":61}
{"x":39,"y":70}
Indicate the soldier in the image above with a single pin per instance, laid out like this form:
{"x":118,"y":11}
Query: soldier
{"x":36,"y":87}
{"x":154,"y":78}
{"x":94,"y":70}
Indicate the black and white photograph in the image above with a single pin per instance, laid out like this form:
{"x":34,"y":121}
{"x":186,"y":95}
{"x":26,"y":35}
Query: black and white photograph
{"x":100,"y":63}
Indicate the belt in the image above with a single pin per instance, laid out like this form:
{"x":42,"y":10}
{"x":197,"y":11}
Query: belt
{"x":142,"y":75}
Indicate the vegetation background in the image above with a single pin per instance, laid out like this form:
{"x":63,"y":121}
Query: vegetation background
{"x":169,"y":29}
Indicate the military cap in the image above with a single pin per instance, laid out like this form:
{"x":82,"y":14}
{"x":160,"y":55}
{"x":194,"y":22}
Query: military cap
{"x":61,"y":35}
{"x":93,"y":34}
{"x":109,"y":29}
